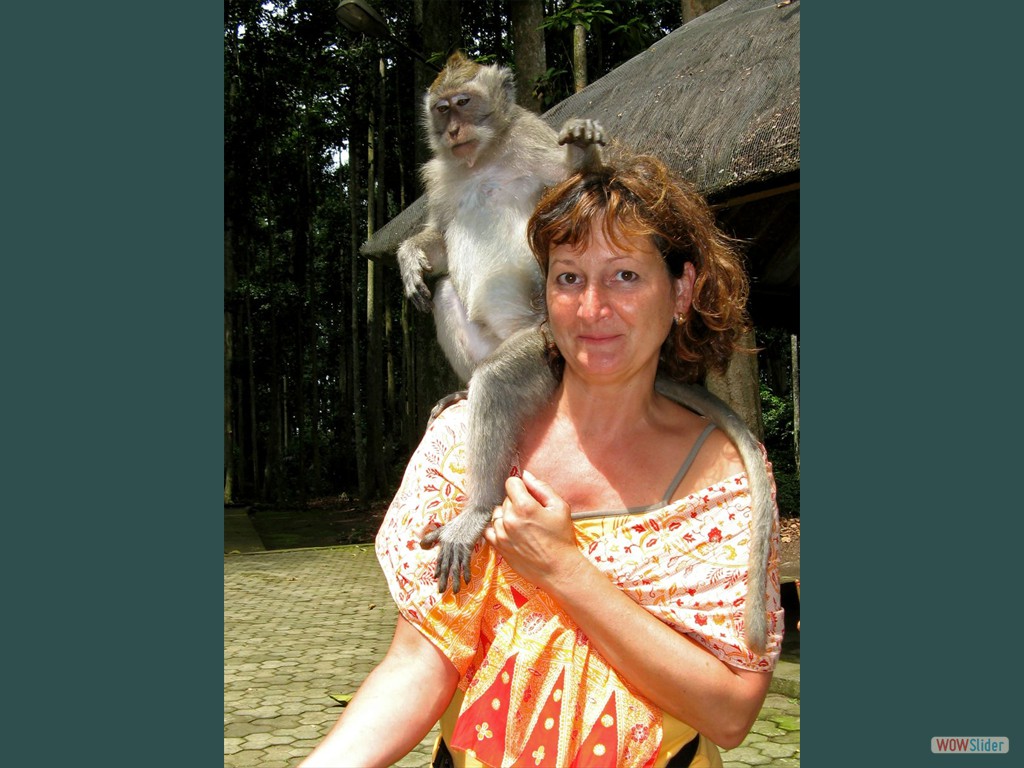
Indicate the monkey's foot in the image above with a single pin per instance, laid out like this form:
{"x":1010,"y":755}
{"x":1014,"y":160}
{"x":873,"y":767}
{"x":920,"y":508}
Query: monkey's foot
{"x":457,"y":540}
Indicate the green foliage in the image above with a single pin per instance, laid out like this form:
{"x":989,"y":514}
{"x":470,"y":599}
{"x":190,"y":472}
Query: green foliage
{"x":777,"y":414}
{"x":584,"y":13}
{"x":616,"y":32}
{"x":552,"y":86}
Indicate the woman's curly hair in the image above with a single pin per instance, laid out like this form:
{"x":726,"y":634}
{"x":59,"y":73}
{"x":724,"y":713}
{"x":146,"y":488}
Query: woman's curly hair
{"x":636,"y":195}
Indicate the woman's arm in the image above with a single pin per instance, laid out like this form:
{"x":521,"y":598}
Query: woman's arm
{"x":394,"y":708}
{"x":534,"y":534}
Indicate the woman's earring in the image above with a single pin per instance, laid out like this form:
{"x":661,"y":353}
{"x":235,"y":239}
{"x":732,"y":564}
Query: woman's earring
{"x":680,"y":318}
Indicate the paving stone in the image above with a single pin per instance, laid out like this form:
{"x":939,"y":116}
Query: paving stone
{"x":247,"y":758}
{"x":298,"y":627}
{"x":241,"y":729}
{"x":777,"y":750}
{"x":744,"y":756}
{"x":767,"y":728}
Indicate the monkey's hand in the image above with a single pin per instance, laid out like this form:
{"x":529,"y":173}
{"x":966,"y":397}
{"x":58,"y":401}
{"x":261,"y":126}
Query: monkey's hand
{"x":582,"y":132}
{"x":585,"y":137}
{"x":414,"y":263}
{"x":420,"y":254}
{"x":457,"y":540}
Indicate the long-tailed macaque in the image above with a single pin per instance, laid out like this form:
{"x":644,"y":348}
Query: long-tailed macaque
{"x":492,"y":159}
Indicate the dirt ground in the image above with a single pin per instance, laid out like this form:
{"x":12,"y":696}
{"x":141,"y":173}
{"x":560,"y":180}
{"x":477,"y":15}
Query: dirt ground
{"x":324,"y":522}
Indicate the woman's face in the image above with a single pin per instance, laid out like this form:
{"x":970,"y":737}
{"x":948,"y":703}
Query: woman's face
{"x":611,"y":307}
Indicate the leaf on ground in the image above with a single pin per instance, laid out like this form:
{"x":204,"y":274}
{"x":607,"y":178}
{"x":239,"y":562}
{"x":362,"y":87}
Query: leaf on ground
{"x":342,"y":698}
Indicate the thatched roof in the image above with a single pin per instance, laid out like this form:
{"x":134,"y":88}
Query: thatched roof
{"x":719,"y":100}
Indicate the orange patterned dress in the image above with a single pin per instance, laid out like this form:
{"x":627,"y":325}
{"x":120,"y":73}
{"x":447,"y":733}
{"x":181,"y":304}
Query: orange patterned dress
{"x":532,"y":690}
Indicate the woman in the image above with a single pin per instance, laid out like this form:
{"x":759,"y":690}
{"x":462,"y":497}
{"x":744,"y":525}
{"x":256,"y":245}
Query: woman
{"x":604,"y":622}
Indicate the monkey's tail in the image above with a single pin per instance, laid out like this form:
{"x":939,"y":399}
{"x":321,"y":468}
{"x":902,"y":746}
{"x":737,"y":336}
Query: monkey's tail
{"x":700,"y":400}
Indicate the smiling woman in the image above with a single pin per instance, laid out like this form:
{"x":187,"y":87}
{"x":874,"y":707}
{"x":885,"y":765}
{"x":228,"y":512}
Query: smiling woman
{"x":604,"y":622}
{"x":613,"y":302}
{"x":635,"y":207}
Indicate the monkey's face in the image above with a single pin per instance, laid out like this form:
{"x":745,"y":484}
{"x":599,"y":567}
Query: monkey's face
{"x":467,"y":108}
{"x":611,"y":304}
{"x":459,"y":123}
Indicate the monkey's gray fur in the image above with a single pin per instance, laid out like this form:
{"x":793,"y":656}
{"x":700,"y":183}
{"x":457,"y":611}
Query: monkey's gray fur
{"x":487,"y":301}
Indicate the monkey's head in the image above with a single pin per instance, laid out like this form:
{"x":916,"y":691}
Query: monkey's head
{"x":467,"y":107}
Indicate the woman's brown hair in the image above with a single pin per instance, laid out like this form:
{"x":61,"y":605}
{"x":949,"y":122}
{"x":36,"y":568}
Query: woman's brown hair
{"x":637,"y":196}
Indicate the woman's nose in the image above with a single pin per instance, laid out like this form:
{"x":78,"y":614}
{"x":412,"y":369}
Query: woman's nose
{"x":592,"y":302}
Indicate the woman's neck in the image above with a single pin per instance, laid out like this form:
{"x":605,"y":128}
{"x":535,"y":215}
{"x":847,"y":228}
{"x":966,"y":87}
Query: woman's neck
{"x":606,"y":409}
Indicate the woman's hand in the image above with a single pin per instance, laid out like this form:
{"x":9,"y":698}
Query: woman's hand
{"x":532,"y":530}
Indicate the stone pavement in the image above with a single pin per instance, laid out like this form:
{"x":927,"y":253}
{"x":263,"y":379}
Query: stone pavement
{"x":301,"y":625}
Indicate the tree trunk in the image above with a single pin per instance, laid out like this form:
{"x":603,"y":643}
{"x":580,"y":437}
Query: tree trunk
{"x":389,"y":355}
{"x":275,"y":438}
{"x":440,"y":24}
{"x":529,"y":53}
{"x":739,"y":386}
{"x":230,"y":299}
{"x":229,"y":359}
{"x":257,"y":483}
{"x":374,"y":300}
{"x":356,"y":151}
{"x":310,"y":392}
{"x":796,"y":402}
{"x":579,"y":57}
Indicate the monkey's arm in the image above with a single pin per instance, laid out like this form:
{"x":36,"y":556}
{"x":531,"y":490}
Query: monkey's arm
{"x":510,"y":385}
{"x":422,"y":253}
{"x":700,"y":400}
{"x":583,"y":139}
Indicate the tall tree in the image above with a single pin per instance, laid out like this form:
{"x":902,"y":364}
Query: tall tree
{"x":376,"y":475}
{"x":529,"y":52}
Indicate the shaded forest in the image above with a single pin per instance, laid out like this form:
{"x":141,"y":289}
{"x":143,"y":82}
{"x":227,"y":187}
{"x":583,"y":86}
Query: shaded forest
{"x":329,"y":372}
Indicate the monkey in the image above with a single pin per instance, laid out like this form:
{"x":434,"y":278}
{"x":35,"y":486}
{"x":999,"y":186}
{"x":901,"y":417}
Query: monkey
{"x":492,"y":160}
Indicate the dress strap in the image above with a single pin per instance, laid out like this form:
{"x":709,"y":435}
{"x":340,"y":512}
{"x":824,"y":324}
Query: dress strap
{"x":688,"y":461}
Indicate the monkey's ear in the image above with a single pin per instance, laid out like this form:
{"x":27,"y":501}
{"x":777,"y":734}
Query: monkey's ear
{"x":506,"y":81}
{"x":456,"y":59}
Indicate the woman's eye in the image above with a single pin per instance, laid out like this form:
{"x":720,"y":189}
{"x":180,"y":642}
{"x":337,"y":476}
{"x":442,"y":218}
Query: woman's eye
{"x":627,"y":276}
{"x":568,"y":278}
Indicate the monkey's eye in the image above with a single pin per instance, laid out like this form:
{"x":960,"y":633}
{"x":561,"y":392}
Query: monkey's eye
{"x":442,"y":107}
{"x":461,"y":101}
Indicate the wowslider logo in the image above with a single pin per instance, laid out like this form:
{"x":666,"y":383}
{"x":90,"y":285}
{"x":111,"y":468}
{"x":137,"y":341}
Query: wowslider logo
{"x":970,"y":745}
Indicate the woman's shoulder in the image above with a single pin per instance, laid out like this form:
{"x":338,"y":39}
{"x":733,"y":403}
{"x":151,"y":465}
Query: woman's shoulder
{"x":710,"y":453}
{"x":724,"y":455}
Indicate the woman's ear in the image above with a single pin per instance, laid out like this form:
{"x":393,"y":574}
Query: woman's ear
{"x":684,"y":288}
